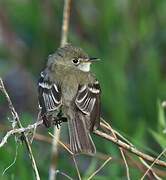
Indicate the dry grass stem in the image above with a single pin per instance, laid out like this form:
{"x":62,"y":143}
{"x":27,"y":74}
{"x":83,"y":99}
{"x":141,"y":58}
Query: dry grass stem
{"x":65,"y":23}
{"x":151,"y":170}
{"x":65,"y":147}
{"x":154,"y":162}
{"x":63,"y":174}
{"x":62,"y":144}
{"x":121,"y":150}
{"x":76,"y":166}
{"x":16,"y":121}
{"x":91,"y":176}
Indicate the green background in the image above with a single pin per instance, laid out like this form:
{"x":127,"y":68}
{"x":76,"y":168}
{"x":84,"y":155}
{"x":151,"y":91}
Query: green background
{"x":129,"y":36}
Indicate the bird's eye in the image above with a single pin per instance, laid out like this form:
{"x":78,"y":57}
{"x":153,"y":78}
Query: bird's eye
{"x":75,"y":61}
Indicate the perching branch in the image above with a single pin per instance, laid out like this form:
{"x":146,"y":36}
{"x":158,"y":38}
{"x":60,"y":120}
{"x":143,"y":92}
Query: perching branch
{"x":16,"y":121}
{"x":19,"y":131}
{"x":128,"y":147}
{"x":104,"y":135}
{"x":109,"y":128}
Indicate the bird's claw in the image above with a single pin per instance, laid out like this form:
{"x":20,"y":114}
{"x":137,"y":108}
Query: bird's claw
{"x":59,"y":119}
{"x":57,"y":122}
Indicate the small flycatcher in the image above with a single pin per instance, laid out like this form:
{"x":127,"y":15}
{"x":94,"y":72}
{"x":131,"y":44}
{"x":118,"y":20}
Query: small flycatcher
{"x":68,"y":91}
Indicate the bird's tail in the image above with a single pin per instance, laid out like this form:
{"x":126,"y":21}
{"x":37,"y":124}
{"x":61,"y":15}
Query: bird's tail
{"x":80,"y":139}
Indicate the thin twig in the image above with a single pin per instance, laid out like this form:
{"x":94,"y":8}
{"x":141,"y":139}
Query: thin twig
{"x":65,"y":25}
{"x":125,"y":162}
{"x":151,"y":170}
{"x":90,"y":177}
{"x":64,"y":37}
{"x":121,"y":150}
{"x":17,"y":121}
{"x":37,"y":136}
{"x":65,"y":147}
{"x":18,"y":131}
{"x":103,"y":135}
{"x":150,"y":167}
{"x":46,"y":139}
{"x":76,"y":166}
{"x":63,"y":174}
{"x":62,"y":144}
{"x":34,"y":130}
{"x":14,"y":161}
{"x":106,"y":126}
{"x":129,"y":148}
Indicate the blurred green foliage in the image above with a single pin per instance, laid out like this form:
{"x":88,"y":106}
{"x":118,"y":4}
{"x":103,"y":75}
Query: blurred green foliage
{"x":130,"y":38}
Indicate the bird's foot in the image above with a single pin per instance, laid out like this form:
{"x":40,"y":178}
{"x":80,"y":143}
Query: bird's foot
{"x":58,"y":121}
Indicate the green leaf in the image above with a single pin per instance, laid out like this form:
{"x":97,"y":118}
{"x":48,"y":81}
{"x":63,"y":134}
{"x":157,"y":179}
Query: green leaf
{"x":160,"y":138}
{"x":161,"y":116}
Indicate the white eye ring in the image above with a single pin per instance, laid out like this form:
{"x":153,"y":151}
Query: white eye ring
{"x":76,"y":61}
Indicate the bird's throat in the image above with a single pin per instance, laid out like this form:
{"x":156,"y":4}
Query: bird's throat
{"x":84,"y":67}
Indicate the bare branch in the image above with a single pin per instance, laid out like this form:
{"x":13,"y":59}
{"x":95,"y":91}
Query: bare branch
{"x":150,"y":167}
{"x":17,"y":121}
{"x":65,"y":25}
{"x":108,"y":127}
{"x":129,"y":148}
{"x":18,"y":131}
{"x":121,"y":149}
{"x":118,"y":142}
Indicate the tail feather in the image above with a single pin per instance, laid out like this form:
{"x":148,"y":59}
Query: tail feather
{"x":80,"y":139}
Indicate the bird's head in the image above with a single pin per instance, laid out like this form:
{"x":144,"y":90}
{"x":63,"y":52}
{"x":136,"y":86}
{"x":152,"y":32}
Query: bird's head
{"x":74,"y":57}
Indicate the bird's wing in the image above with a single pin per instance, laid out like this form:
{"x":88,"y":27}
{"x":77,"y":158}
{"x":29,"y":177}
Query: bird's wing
{"x":88,"y":102}
{"x":49,"y":94}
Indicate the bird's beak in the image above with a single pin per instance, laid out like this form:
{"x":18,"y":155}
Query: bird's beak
{"x":93,"y":59}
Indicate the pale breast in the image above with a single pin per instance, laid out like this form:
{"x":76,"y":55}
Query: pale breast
{"x":69,"y":89}
{"x":70,"y":79}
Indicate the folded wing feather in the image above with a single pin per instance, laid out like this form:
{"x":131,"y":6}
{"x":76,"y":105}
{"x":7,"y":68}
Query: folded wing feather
{"x":88,"y":102}
{"x":49,"y":95}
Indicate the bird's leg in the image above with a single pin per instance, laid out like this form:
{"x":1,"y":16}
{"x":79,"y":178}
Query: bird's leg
{"x":59,"y":119}
{"x":46,"y":120}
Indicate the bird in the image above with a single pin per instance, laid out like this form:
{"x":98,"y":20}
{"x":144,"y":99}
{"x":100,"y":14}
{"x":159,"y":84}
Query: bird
{"x":69,"y":92}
